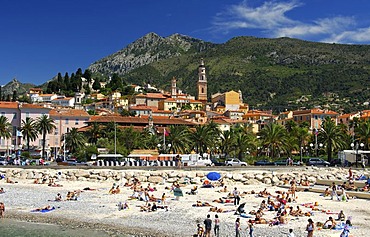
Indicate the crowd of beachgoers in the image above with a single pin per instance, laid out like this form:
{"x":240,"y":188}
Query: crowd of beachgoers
{"x":182,"y":208}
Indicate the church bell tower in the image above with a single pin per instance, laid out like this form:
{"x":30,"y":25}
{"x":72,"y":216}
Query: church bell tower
{"x":202,"y":83}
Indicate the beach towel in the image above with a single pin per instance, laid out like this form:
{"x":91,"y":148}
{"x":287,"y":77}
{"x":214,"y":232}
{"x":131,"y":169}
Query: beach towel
{"x":244,"y":215}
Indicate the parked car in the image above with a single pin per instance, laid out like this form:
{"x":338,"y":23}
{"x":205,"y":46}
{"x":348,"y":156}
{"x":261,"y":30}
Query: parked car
{"x":217,"y":162}
{"x":317,"y":162}
{"x":73,"y":162}
{"x":3,"y":161}
{"x":284,"y":162}
{"x":235,"y":162}
{"x":263,"y":162}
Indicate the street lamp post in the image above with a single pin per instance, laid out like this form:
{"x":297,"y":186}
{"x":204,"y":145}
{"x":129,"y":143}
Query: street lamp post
{"x":355,"y":146}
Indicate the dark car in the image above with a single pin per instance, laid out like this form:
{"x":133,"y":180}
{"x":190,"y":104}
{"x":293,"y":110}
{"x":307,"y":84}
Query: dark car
{"x":217,"y":162}
{"x":263,"y":163}
{"x":317,"y":162}
{"x":338,"y":162}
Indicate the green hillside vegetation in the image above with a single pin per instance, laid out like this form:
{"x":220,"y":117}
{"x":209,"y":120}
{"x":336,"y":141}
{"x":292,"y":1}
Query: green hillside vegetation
{"x":272,"y":73}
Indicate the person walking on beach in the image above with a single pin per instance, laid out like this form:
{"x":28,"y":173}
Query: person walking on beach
{"x":310,"y":228}
{"x":2,"y":210}
{"x":237,"y":227}
{"x":236,"y":195}
{"x":251,"y":228}
{"x":208,"y":226}
{"x":217,"y":226}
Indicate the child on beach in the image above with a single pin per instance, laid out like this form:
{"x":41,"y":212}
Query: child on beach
{"x":251,"y":228}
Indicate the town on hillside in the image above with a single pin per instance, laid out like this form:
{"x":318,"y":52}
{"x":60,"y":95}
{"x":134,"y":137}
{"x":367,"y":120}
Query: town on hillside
{"x":157,"y":112}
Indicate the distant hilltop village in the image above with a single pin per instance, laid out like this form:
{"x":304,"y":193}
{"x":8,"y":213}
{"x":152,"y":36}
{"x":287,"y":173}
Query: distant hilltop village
{"x":149,"y":108}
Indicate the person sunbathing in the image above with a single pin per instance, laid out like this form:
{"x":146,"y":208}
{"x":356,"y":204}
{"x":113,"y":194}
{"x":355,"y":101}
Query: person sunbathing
{"x":2,"y":190}
{"x":117,"y":190}
{"x":341,"y":216}
{"x":330,"y":223}
{"x":58,"y":198}
{"x":54,"y":185}
{"x":151,"y":189}
{"x":258,"y":218}
{"x":71,"y":196}
{"x":327,"y":192}
{"x":216,"y":209}
{"x":153,"y":199}
{"x":122,"y":206}
{"x":36,"y":181}
{"x":305,"y":182}
{"x":46,"y":208}
{"x":264,"y":193}
{"x":202,"y":204}
{"x":224,"y":190}
{"x":9,"y":181}
{"x":193,"y":191}
{"x":220,"y":200}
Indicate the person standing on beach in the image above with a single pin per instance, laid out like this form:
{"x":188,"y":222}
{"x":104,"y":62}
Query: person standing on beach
{"x":237,"y":227}
{"x":2,"y":210}
{"x":236,"y":195}
{"x":334,"y":191}
{"x":310,"y":227}
{"x":208,"y":226}
{"x":217,"y":226}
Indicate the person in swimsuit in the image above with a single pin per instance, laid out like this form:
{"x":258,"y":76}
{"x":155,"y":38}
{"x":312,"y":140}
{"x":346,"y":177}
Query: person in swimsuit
{"x":310,"y":228}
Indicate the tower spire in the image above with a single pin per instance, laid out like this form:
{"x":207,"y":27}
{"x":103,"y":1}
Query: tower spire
{"x":202,"y":83}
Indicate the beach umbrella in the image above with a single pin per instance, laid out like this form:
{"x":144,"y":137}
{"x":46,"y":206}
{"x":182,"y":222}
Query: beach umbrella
{"x":213,"y":176}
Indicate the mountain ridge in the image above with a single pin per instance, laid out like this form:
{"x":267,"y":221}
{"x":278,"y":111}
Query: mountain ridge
{"x":271,"y":73}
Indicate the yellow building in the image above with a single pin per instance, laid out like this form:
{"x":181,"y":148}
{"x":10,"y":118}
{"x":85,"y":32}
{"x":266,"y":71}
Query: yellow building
{"x":176,"y":104}
{"x":230,"y":100}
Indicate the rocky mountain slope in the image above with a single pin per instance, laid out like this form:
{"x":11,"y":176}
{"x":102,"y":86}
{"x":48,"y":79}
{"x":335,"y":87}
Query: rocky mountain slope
{"x":148,"y":49}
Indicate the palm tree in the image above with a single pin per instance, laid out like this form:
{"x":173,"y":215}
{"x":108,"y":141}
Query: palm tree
{"x":301,"y":134}
{"x":94,"y":132}
{"x":5,"y":128}
{"x":332,"y":136}
{"x":29,"y":131}
{"x":202,"y":138}
{"x":273,"y":137}
{"x":245,"y":142}
{"x":227,"y":141}
{"x":179,"y":139}
{"x":363,"y":132}
{"x":75,"y":140}
{"x":44,"y":125}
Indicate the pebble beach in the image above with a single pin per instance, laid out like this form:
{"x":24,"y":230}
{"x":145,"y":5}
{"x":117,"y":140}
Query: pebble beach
{"x":98,"y":210}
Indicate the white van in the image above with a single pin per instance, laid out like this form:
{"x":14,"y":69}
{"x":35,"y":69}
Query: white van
{"x":195,"y":160}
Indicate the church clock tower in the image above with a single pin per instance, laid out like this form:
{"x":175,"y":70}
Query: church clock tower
{"x":202,"y":83}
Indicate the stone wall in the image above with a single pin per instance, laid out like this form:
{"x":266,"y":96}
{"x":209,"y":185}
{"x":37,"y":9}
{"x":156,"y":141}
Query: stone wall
{"x":247,"y":176}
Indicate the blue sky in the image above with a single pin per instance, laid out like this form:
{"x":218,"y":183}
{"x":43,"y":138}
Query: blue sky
{"x":40,"y":38}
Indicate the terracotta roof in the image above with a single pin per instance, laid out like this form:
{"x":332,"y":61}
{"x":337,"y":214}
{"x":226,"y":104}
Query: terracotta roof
{"x":32,"y":106}
{"x":159,"y":120}
{"x":177,"y":99}
{"x":346,"y":115}
{"x":69,"y":113}
{"x":66,"y":98}
{"x":152,"y":95}
{"x":45,"y":95}
{"x":8,"y":105}
{"x":314,"y":111}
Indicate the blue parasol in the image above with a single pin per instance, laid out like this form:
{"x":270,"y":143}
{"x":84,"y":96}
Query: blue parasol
{"x":213,"y":176}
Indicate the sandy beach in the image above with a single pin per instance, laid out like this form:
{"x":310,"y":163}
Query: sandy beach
{"x":98,"y":210}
